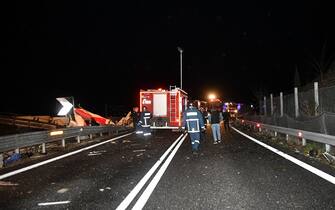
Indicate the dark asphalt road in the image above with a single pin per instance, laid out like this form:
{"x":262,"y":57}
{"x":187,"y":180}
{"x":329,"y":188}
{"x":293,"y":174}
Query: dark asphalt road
{"x":236,"y":174}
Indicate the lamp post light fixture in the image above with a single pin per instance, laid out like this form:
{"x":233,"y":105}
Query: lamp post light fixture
{"x":181,"y":67}
{"x":211,"y":96}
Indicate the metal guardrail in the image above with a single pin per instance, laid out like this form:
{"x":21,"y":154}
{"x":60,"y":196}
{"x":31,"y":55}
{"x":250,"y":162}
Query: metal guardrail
{"x":12,"y":142}
{"x":317,"y":137}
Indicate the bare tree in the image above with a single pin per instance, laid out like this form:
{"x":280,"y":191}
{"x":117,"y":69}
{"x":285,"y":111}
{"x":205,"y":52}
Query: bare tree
{"x":259,"y":92}
{"x":324,"y":63}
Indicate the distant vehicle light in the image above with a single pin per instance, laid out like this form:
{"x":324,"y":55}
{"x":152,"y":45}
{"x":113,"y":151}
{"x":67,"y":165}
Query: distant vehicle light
{"x":235,"y":110}
{"x":211,"y":97}
{"x":242,"y":121}
{"x":258,"y":125}
{"x":300,"y":134}
{"x":238,"y":106}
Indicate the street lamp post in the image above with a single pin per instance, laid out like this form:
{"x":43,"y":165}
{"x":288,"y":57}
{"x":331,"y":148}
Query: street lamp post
{"x":181,"y":67}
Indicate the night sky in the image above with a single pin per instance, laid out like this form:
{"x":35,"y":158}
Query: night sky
{"x":102,"y":52}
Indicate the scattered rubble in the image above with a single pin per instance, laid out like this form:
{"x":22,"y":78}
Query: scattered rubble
{"x":139,"y":150}
{"x":2,"y":183}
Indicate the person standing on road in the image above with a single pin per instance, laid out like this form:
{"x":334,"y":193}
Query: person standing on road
{"x":144,"y":121}
{"x":193,"y":122}
{"x":204,"y":114}
{"x":214,"y":119}
{"x":135,"y":115}
{"x":226,"y":119}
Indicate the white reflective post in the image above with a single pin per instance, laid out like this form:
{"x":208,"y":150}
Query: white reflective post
{"x":296,"y":102}
{"x":316,"y":97}
{"x":43,"y":148}
{"x":78,"y":139}
{"x":303,"y":142}
{"x":63,"y":142}
{"x":265,"y":105}
{"x":271,"y":103}
{"x":281,"y":104}
{"x":328,"y":148}
{"x":1,"y":160}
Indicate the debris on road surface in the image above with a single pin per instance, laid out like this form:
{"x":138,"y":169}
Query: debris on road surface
{"x":126,"y":141}
{"x":139,"y":150}
{"x":2,"y":183}
{"x":63,"y":190}
{"x":93,"y":153}
{"x":139,"y":154}
{"x":330,"y":158}
{"x":14,"y":157}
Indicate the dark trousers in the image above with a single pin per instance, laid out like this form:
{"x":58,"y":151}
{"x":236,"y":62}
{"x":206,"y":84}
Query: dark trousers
{"x":195,"y":140}
{"x":138,"y":128}
{"x":146,"y":130}
{"x":202,"y":136}
{"x":226,"y":126}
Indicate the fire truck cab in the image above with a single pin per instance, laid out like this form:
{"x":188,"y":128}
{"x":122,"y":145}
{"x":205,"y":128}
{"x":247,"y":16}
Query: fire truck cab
{"x":166,"y":106}
{"x":232,"y":108}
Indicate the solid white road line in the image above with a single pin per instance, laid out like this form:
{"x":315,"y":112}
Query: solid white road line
{"x":53,"y":203}
{"x":3,"y":176}
{"x":150,"y":188}
{"x":292,"y":159}
{"x":130,"y":197}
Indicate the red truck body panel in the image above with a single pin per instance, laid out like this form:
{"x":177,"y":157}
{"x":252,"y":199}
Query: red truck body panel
{"x":166,"y":106}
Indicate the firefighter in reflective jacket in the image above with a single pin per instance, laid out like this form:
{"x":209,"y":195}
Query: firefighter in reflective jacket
{"x":193,"y":122}
{"x":144,"y":121}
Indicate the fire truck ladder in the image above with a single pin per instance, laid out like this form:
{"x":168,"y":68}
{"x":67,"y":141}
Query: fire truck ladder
{"x":173,"y":104}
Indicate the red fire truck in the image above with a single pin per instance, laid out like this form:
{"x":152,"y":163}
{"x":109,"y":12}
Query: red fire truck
{"x":166,"y":106}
